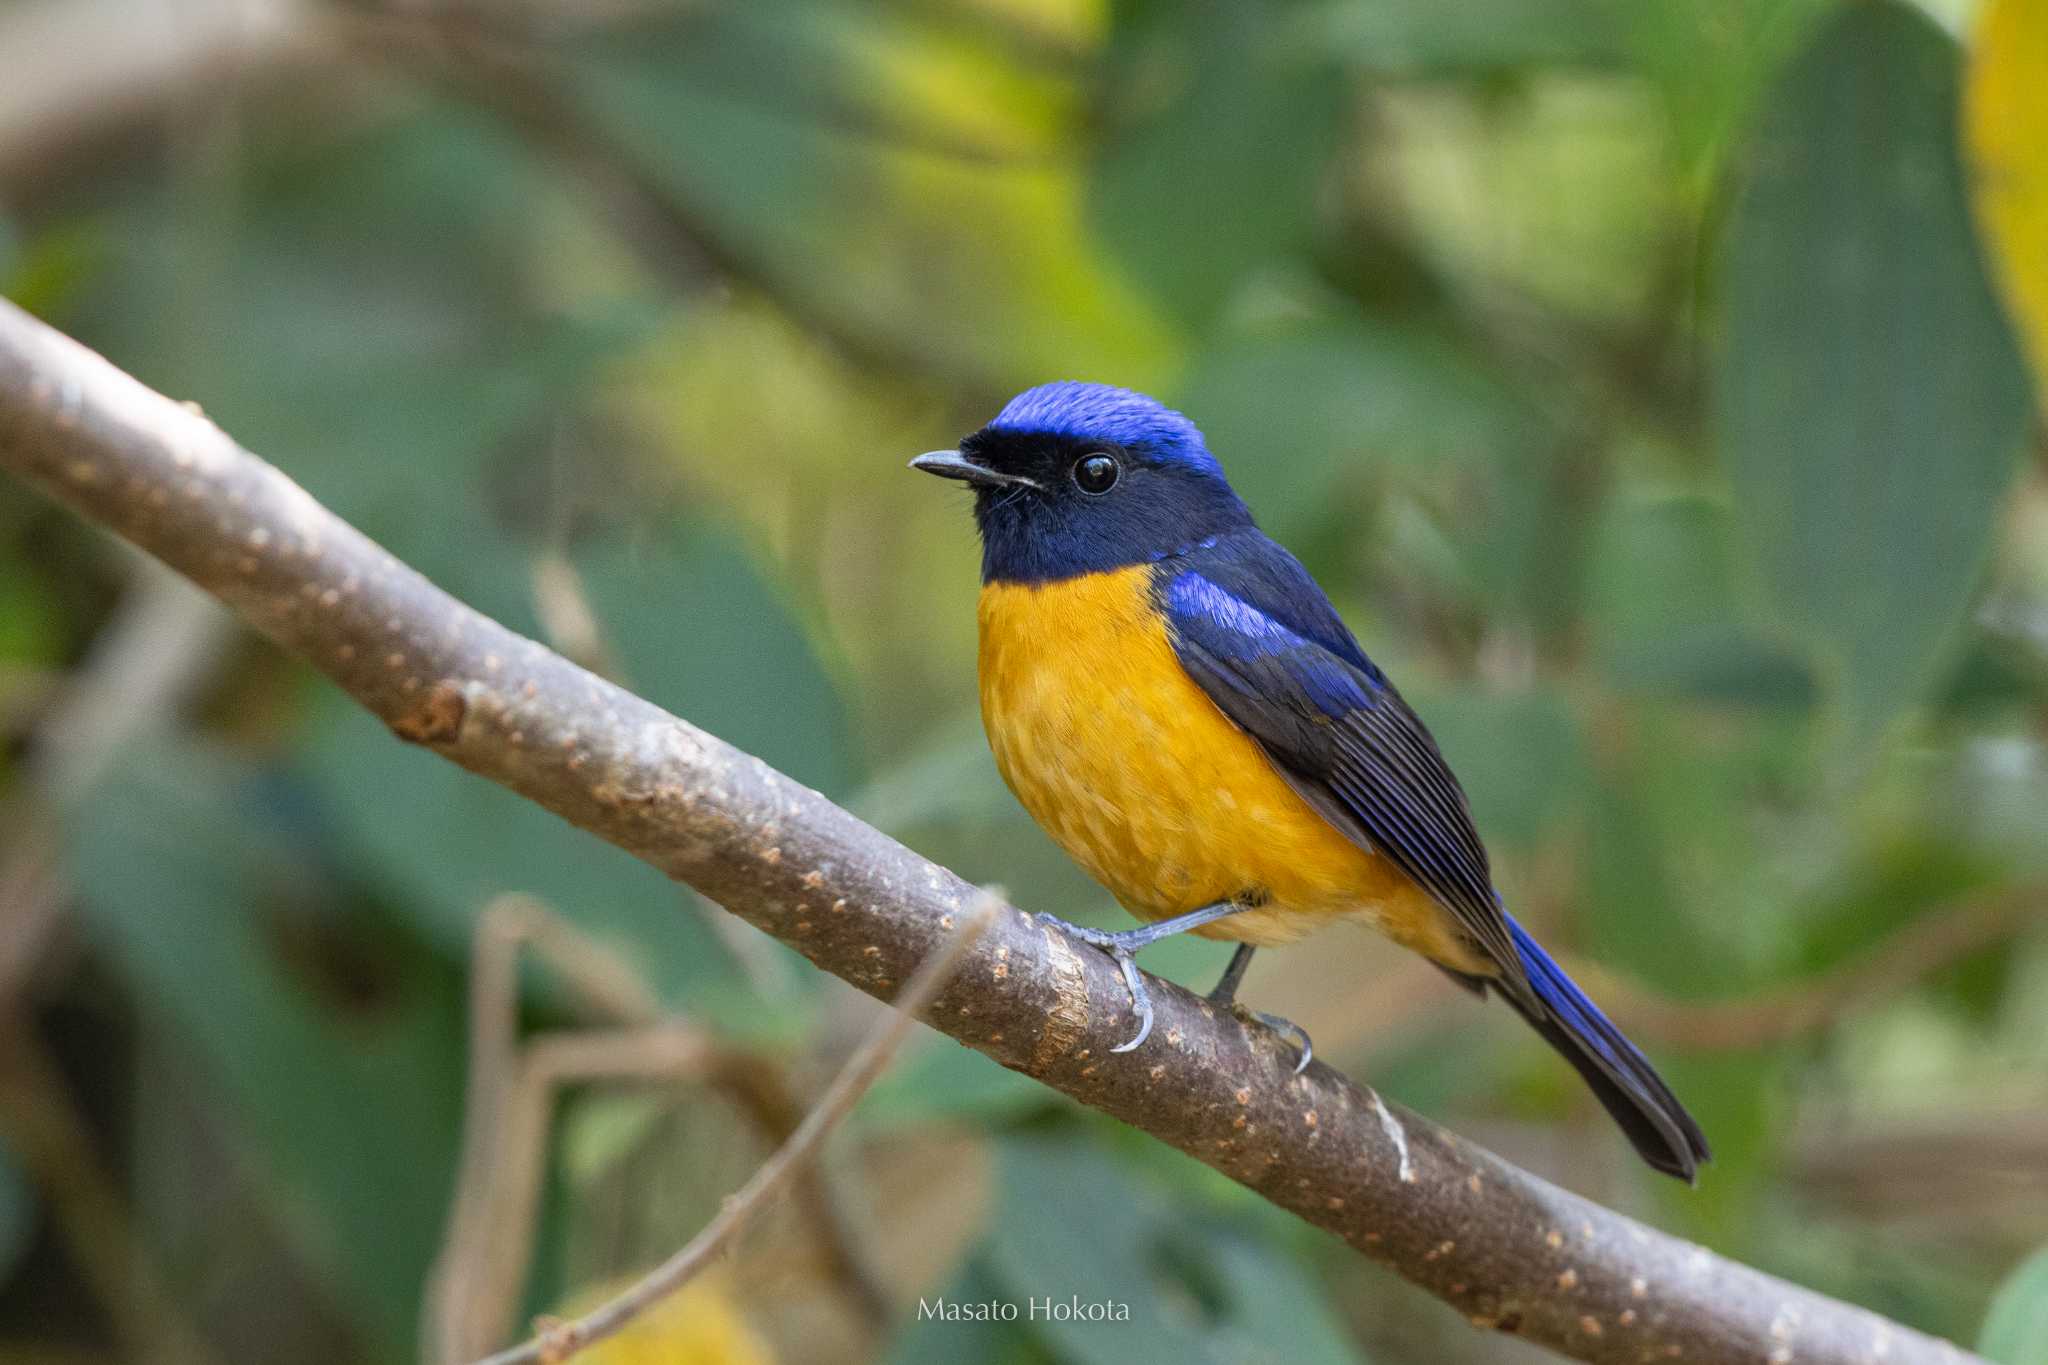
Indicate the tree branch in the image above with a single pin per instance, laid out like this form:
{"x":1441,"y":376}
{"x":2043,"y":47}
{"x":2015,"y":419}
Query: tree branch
{"x":1502,"y":1247}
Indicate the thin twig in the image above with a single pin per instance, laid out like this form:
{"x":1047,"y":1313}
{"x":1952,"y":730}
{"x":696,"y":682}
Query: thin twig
{"x":560,"y":1342}
{"x":601,"y":982}
{"x":477,"y":1278}
{"x":486,"y":1276}
{"x":763,"y":1093}
{"x":32,"y":897}
{"x":154,"y":652}
{"x":1940,"y":937}
{"x":567,"y":619}
{"x":1410,"y":995}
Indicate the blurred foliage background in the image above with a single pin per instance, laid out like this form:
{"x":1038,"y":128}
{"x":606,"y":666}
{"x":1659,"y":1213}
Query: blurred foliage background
{"x":1647,"y":380}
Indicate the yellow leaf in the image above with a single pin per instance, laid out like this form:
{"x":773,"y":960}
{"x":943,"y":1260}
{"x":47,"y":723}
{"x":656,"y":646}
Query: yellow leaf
{"x":698,"y":1325}
{"x":2006,"y":129}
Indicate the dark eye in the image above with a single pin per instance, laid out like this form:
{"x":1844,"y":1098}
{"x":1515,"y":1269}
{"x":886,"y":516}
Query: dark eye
{"x":1096,"y":473}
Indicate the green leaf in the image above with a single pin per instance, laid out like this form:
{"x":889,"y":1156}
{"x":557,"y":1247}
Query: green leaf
{"x":1428,"y":38}
{"x":2016,"y":1328}
{"x":1073,"y":1225}
{"x":338,"y":1052}
{"x":1908,"y":873}
{"x":1662,"y":605}
{"x":701,"y":632}
{"x":1870,"y":398}
{"x":1996,"y":672}
{"x":1215,"y":148}
{"x":1291,"y":409}
{"x":1661,"y":564}
{"x":1724,"y":664}
{"x":951,"y":778}
{"x":893,"y":225}
{"x":1711,"y":60}
{"x":362,"y":319}
{"x":943,"y":1080}
{"x":46,"y":274}
{"x":32,"y":626}
{"x":1519,"y":755}
{"x":444,"y":843}
{"x":1659,"y":810}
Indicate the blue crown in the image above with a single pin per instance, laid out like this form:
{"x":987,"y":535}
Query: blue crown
{"x":1103,"y":412}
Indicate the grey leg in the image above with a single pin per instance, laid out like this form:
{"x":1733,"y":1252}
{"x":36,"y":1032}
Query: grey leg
{"x":1226,"y":989}
{"x":1226,"y":994}
{"x":1123,"y":945}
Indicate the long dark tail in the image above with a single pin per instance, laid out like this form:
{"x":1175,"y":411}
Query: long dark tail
{"x":1621,"y":1077}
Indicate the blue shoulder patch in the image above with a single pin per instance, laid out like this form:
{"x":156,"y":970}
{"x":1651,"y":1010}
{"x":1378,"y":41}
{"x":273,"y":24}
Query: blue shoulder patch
{"x":1103,"y":412}
{"x":1232,"y":630}
{"x":1259,"y":572}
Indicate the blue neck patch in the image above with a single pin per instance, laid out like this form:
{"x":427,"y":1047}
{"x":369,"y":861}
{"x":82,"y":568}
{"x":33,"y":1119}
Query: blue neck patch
{"x":1103,"y":412}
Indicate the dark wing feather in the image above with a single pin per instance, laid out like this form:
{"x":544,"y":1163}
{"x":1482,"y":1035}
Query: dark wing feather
{"x":1245,"y":622}
{"x":1253,"y":630}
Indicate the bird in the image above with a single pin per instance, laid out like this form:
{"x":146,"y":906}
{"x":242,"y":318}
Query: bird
{"x":1173,"y":698}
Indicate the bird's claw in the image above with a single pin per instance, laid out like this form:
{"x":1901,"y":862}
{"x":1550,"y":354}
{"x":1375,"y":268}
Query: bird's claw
{"x":1300,"y":1034}
{"x":1113,"y":944}
{"x":1287,"y":1028}
{"x":1141,"y":1001}
{"x":1121,"y":946}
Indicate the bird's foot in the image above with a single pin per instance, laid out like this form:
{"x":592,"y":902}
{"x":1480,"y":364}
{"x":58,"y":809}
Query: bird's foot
{"x":1121,"y":948}
{"x":1286,"y":1028}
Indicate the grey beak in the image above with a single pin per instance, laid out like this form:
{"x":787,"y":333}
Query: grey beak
{"x":951,"y":464}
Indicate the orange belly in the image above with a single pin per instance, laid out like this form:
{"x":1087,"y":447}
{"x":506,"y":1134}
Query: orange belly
{"x":1130,"y":767}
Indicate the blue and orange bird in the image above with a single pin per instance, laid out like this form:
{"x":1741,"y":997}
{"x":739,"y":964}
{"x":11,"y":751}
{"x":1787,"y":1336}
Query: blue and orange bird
{"x":1171,"y":696}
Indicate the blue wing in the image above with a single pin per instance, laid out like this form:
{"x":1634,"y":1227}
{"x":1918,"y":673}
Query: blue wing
{"x":1256,"y":633}
{"x":1253,"y":629}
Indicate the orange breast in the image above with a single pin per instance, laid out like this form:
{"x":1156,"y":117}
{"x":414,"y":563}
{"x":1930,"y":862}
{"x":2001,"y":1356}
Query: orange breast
{"x":1144,"y":782}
